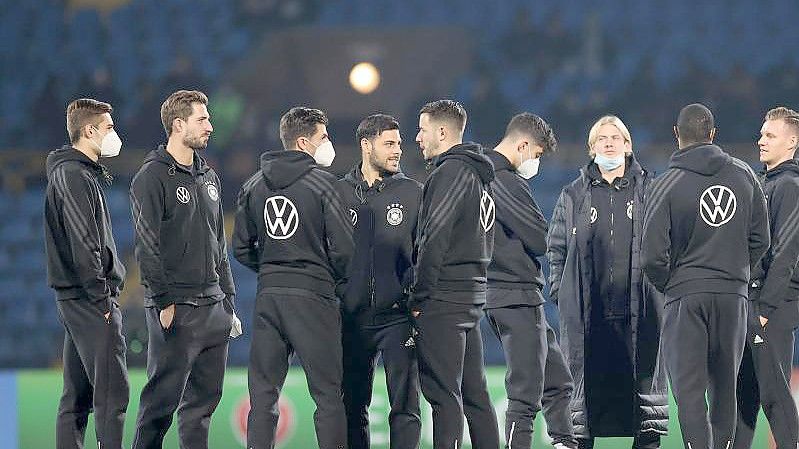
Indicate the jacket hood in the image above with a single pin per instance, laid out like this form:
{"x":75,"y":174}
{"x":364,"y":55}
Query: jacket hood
{"x":789,"y":166}
{"x":355,"y":177}
{"x":705,"y":159}
{"x":499,"y":161}
{"x":472,"y":154}
{"x":68,"y":153}
{"x":160,"y":155}
{"x":283,"y":168}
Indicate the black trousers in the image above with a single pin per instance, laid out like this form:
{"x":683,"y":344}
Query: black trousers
{"x":95,"y":375}
{"x":558,"y":388}
{"x":185,"y":370}
{"x":452,"y":374}
{"x":647,"y":440}
{"x":522,"y":332}
{"x":703,"y":341}
{"x":396,"y":346}
{"x":289,"y":321}
{"x":765,"y":377}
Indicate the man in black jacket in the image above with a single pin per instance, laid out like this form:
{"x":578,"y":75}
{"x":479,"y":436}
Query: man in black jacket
{"x":700,"y":214}
{"x":84,"y":270}
{"x":765,"y":376}
{"x":514,"y":303}
{"x":182,"y":253}
{"x":454,"y":243}
{"x":293,"y":229}
{"x":383,"y":204}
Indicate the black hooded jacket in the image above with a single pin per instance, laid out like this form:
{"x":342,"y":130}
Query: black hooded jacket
{"x":776,"y":276}
{"x":705,"y":225}
{"x":455,"y":233}
{"x":384,"y":217}
{"x":292,"y":227}
{"x":82,"y":259}
{"x":520,"y":237}
{"x":180,"y":232}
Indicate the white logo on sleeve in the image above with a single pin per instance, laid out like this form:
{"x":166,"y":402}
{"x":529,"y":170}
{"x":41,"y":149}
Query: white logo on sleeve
{"x":213,"y":192}
{"x":394,"y":214}
{"x":717,"y":205}
{"x":182,"y":194}
{"x":354,"y":216}
{"x":487,"y":211}
{"x":281,"y":217}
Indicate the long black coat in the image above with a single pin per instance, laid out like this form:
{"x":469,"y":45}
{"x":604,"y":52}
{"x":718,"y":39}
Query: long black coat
{"x":568,"y":244}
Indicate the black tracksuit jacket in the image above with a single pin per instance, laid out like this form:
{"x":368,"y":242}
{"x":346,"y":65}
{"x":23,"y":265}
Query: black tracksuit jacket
{"x":776,"y":276}
{"x":82,"y":259}
{"x":705,"y":225}
{"x":384,"y":220}
{"x":292,"y":227}
{"x":520,"y":237}
{"x":180,"y":232}
{"x":455,"y":233}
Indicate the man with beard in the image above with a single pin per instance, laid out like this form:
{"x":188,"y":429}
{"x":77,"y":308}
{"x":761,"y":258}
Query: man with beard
{"x":189,"y":292}
{"x":765,"y":376}
{"x":383,"y":204}
{"x":454,"y":243}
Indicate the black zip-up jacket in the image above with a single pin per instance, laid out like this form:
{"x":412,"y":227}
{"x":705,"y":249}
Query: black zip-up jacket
{"x":82,"y":259}
{"x":705,"y":225}
{"x":455,"y":233}
{"x":384,"y":218}
{"x":520,"y":237}
{"x":180,"y":232}
{"x":292,"y":227}
{"x":776,"y":276}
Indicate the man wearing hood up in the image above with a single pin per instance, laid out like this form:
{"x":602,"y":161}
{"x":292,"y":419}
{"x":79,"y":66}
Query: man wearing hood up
{"x":765,"y":376}
{"x":182,"y":253}
{"x":84,"y":270}
{"x":453,"y":248}
{"x":293,"y":229}
{"x":705,"y":229}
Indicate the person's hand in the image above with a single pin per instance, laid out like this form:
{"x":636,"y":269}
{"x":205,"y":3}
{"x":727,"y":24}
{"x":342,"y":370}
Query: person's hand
{"x":235,"y":327}
{"x":167,"y":316}
{"x":763,"y":321}
{"x":416,"y":313}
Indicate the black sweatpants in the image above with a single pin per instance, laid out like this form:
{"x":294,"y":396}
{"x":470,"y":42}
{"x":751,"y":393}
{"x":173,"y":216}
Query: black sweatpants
{"x":558,"y":388}
{"x":703,"y":341}
{"x":522,"y":332}
{"x":288,"y":321}
{"x":450,"y":353}
{"x":185,"y":370}
{"x":765,"y":377}
{"x":95,"y":374}
{"x":397,"y":348}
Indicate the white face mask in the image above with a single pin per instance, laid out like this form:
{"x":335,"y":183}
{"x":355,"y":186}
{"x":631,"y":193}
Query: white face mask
{"x":529,"y":168}
{"x":110,"y":145}
{"x":325,"y":154}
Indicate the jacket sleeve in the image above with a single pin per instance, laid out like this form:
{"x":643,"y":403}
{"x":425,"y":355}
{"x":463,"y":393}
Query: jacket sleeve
{"x":245,"y":233}
{"x":656,"y":236}
{"x":518,"y":213}
{"x":442,"y":198}
{"x":557,"y":246}
{"x":339,"y":235}
{"x":784,"y":253}
{"x":759,"y":233}
{"x":147,"y":206}
{"x":223,"y":266}
{"x":79,"y":209}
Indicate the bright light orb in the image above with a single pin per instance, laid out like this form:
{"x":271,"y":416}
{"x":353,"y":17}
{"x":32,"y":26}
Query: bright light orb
{"x":364,"y":78}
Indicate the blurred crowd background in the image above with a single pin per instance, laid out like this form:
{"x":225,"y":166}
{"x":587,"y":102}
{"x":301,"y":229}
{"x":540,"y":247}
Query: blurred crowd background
{"x":568,"y":61}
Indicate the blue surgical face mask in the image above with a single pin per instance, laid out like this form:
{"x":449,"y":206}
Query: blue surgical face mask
{"x":607,"y":163}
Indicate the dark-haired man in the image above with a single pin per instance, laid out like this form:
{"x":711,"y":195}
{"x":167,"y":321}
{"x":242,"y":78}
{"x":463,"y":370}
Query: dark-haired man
{"x":84,"y":270}
{"x":293,"y":229}
{"x":705,"y":229}
{"x":383,"y":204}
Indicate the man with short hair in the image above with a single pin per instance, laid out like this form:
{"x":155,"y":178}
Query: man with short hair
{"x":293,"y":229}
{"x":514,"y":301}
{"x":765,"y":376}
{"x":189,"y":292}
{"x":454,"y":243}
{"x":384,"y":204}
{"x":85,"y":271}
{"x":698,"y":215}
